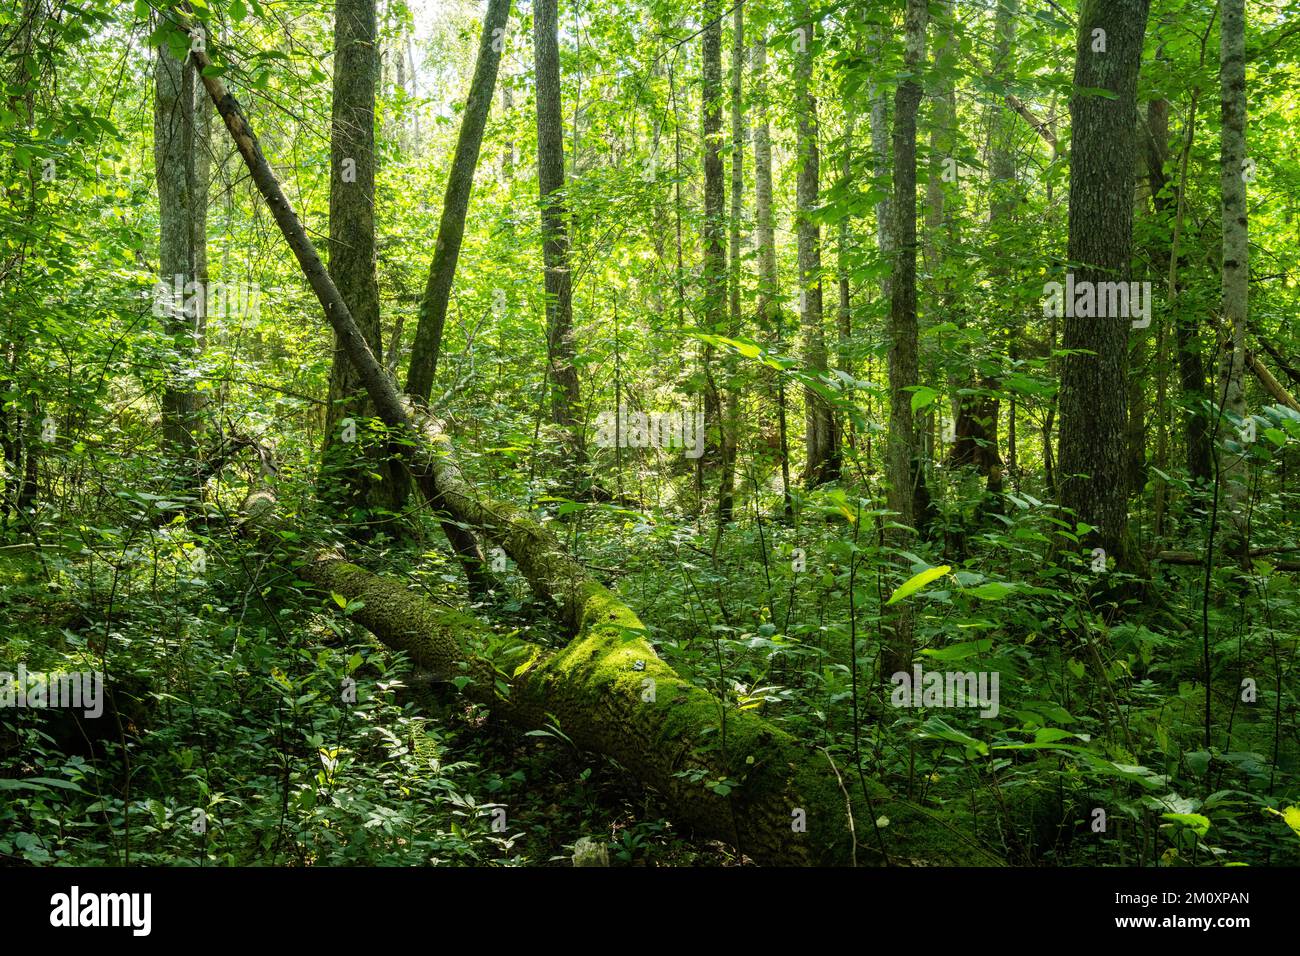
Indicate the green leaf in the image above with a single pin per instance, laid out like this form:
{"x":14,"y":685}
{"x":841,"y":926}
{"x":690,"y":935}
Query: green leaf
{"x":1047,"y":735}
{"x":39,"y":783}
{"x":922,"y":396}
{"x":1291,"y":816}
{"x":1197,"y":761}
{"x":959,"y":651}
{"x":339,"y":599}
{"x":1198,"y":824}
{"x":918,"y":581}
{"x":991,"y":591}
{"x":942,"y":730}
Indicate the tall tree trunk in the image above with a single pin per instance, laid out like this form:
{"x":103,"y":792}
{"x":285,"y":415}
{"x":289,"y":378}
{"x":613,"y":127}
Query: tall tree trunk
{"x":460,"y":182}
{"x":731,"y":388}
{"x":965,"y":410}
{"x":181,"y":225}
{"x":768,"y":311}
{"x":880,"y":154}
{"x":1094,"y":382}
{"x":820,"y":436}
{"x":508,"y":147}
{"x":1235,"y":172}
{"x":560,"y":348}
{"x":1191,"y":362}
{"x":978,"y":415}
{"x":902,"y":465}
{"x":1162,"y":204}
{"x":843,"y":277}
{"x":351,"y":458}
{"x":713,"y":265}
{"x":20,"y":429}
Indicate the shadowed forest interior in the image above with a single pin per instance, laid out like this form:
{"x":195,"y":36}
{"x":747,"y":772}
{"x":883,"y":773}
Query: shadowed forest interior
{"x":636,"y":433}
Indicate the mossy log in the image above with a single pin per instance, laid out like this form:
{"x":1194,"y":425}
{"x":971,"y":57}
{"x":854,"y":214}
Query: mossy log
{"x":608,"y":692}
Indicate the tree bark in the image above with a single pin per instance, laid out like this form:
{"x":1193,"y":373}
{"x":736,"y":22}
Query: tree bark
{"x":1191,"y":363}
{"x":902,"y":462}
{"x":880,"y":153}
{"x":182,"y":231}
{"x":769,"y":315}
{"x":1234,"y":173}
{"x":555,"y":238}
{"x":351,"y":460}
{"x":820,"y":435}
{"x":975,"y":431}
{"x":713,"y":260}
{"x":730,"y":387}
{"x":1094,"y":387}
{"x":455,"y":205}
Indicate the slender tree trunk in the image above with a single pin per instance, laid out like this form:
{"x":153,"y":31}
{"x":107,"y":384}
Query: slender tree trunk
{"x":731,"y":388}
{"x":768,"y":311}
{"x":1191,"y":362}
{"x":1161,"y":204}
{"x":176,"y":141}
{"x":902,"y":465}
{"x":978,"y":417}
{"x":713,"y":265}
{"x":821,"y":439}
{"x":507,"y":148}
{"x":351,"y":456}
{"x":455,"y":204}
{"x":880,"y":154}
{"x":413,"y":89}
{"x":555,"y":238}
{"x":844,"y":357}
{"x":1234,"y":174}
{"x":1094,"y":381}
{"x":388,"y":403}
{"x":22,"y":439}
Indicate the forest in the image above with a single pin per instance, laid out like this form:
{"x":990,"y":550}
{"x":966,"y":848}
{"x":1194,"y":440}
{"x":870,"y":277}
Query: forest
{"x":629,"y":433}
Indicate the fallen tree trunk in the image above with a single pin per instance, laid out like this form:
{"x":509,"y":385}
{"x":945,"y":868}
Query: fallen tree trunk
{"x":788,"y":804}
{"x":1188,"y":557}
{"x":1271,"y":384}
{"x":1291,"y":372}
{"x":609,"y":693}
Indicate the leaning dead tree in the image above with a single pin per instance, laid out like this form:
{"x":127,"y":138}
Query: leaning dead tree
{"x":787,"y":804}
